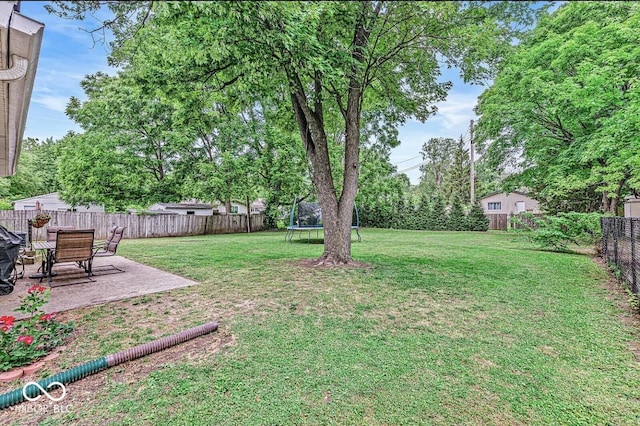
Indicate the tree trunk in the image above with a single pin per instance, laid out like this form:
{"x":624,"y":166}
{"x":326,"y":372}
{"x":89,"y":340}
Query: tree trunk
{"x":337,"y":210}
{"x":337,"y":231}
{"x":614,"y":201}
{"x":605,"y":202}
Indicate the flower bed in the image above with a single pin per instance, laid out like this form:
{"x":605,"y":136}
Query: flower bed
{"x":24,"y":341}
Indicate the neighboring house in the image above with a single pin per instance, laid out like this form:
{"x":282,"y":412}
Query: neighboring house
{"x":258,"y":206}
{"x":202,"y":209}
{"x":632,"y":207}
{"x":53,"y":202}
{"x":509,"y":203}
{"x":239,"y":207}
{"x":197,"y":209}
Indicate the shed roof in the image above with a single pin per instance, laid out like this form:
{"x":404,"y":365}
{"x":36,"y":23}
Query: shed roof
{"x":504,"y":192}
{"x":185,"y":205}
{"x":39,"y":197}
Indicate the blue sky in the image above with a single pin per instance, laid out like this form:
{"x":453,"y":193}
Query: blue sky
{"x":68,"y":54}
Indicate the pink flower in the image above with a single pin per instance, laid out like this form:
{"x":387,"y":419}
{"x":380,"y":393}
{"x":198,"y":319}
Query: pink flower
{"x":7,"y":320}
{"x":48,"y":317}
{"x":27,"y":340}
{"x":36,"y":288}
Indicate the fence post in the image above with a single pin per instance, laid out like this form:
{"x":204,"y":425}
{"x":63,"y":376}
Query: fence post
{"x":615,"y":241}
{"x":605,"y":255}
{"x":633,"y":257}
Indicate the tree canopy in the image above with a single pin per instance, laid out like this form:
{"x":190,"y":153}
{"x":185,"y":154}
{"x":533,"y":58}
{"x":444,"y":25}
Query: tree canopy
{"x":335,"y":62}
{"x":564,"y":108}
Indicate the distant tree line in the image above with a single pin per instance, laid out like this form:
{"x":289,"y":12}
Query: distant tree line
{"x":428,"y":214}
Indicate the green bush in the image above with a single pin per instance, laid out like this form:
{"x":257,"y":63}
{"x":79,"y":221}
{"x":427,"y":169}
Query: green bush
{"x":376,"y":216}
{"x":428,"y":215}
{"x":477,"y":220}
{"x":456,"y":219}
{"x":5,"y":204}
{"x":439,"y":215}
{"x":557,"y":232}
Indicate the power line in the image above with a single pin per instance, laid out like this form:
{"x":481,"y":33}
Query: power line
{"x":404,"y":161}
{"x":466,"y":138}
{"x":413,"y":167}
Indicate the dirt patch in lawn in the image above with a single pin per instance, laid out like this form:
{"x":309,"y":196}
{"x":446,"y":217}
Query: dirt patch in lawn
{"x":323,"y":263}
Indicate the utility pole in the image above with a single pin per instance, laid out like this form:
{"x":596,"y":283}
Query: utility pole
{"x":472,"y":166}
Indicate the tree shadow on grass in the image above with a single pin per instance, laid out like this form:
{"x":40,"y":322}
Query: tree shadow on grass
{"x":577,"y":251}
{"x":308,"y":241}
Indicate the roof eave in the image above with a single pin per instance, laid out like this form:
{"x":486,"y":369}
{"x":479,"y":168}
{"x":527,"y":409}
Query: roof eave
{"x":20,"y":42}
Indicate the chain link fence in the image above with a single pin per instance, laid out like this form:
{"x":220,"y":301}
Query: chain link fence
{"x":621,"y":247}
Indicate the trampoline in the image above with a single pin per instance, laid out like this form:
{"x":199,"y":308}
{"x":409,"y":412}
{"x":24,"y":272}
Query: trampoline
{"x":306,"y":217}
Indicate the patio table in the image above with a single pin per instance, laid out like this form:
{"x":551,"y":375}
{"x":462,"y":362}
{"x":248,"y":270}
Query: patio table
{"x":47,"y":248}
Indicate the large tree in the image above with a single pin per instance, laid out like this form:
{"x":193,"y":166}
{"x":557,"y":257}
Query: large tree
{"x":129,"y":149}
{"x":437,"y":156}
{"x":564,"y":108}
{"x":139,"y":147}
{"x":347,"y":57}
{"x":457,"y":183}
{"x":37,"y":173}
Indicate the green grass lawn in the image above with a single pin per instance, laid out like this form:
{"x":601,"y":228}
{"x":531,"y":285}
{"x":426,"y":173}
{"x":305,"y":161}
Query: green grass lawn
{"x":443,"y":328}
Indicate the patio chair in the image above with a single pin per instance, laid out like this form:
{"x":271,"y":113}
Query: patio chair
{"x":52,"y":231}
{"x":74,"y":246}
{"x":109,"y":248}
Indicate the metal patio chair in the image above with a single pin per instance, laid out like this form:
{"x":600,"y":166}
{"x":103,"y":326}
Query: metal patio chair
{"x":72,"y":246}
{"x":109,"y":248}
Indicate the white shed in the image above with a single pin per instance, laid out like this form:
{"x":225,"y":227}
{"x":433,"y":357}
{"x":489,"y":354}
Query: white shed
{"x":509,"y":203}
{"x":53,"y":202}
{"x":632,"y":207}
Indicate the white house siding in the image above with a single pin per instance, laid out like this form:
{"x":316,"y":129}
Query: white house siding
{"x":508,"y":203}
{"x":53,"y":203}
{"x":632,"y":207}
{"x":182,"y":208}
{"x":201,"y":209}
{"x":236,"y":208}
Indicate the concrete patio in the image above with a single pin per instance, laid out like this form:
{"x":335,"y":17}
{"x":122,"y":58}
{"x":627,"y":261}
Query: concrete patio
{"x":71,"y":289}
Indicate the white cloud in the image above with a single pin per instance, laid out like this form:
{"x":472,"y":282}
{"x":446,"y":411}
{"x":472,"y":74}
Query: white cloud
{"x":455,"y":113}
{"x":55,"y":103}
{"x":451,"y":121}
{"x":67,"y":55}
{"x":73,"y":30}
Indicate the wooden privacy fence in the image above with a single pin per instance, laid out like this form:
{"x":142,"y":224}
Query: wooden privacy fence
{"x":138,"y":226}
{"x":498,"y":221}
{"x":621,"y":247}
{"x":502,"y":221}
